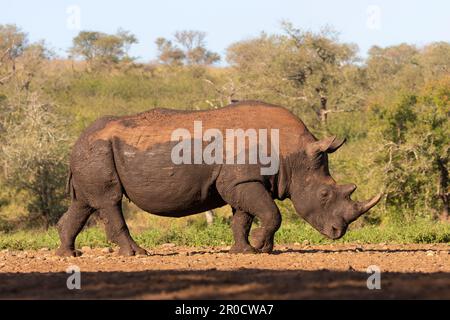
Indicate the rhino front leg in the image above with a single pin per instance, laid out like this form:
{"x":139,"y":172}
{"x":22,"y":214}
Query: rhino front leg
{"x":242,"y":222}
{"x":253,"y":198}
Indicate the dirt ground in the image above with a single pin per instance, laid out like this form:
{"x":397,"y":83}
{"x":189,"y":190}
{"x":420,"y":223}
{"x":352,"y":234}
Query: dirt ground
{"x":292,"y":272}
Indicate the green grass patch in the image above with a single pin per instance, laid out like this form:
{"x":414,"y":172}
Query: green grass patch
{"x":421,"y":231}
{"x":197,"y":233}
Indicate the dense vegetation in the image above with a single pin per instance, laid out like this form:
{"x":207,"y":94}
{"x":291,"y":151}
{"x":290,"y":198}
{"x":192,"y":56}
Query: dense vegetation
{"x":393,"y":106}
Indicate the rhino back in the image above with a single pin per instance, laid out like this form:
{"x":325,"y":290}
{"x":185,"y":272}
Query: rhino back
{"x":146,"y":129}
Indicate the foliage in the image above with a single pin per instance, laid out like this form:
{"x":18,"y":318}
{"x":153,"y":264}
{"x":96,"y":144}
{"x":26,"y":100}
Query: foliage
{"x":34,"y":157}
{"x":33,"y":145}
{"x":187,"y":48}
{"x":308,"y":71}
{"x":417,"y":140}
{"x":102,"y":50}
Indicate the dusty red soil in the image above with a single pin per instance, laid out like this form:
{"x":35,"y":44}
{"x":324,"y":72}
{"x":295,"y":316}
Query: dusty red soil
{"x":292,"y":272}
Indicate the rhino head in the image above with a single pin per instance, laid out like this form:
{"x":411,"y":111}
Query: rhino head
{"x":317,"y":198}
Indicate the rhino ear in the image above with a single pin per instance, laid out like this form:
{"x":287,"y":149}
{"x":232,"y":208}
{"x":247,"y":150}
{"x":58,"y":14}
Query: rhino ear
{"x":335,"y":144}
{"x":328,"y":145}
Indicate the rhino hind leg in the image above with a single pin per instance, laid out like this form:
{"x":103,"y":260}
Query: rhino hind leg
{"x":241,"y":225}
{"x":70,"y":225}
{"x":96,"y":187}
{"x":117,"y":231}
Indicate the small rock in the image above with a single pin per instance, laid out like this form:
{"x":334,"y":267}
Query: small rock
{"x":2,"y":265}
{"x":430,"y":253}
{"x":44,"y":249}
{"x":296,"y":244}
{"x":107,"y":250}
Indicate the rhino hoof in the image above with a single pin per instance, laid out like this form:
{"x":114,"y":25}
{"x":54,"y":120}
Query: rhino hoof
{"x":128,"y":252}
{"x":64,"y":252}
{"x":266,"y":249}
{"x":140,"y":251}
{"x":235,"y":249}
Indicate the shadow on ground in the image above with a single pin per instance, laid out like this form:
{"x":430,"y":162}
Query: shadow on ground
{"x":216,"y":284}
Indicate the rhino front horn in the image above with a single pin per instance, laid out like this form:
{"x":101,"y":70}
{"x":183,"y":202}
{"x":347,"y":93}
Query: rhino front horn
{"x":367,"y":205}
{"x":363,"y":207}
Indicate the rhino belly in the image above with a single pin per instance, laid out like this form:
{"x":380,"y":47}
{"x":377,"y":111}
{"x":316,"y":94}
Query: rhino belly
{"x":155,"y":184}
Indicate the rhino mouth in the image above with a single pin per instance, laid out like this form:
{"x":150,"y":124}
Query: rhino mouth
{"x":334,"y":233}
{"x":337,"y":233}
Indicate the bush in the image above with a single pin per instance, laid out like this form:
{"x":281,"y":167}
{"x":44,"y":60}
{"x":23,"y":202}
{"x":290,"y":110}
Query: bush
{"x":34,"y":154}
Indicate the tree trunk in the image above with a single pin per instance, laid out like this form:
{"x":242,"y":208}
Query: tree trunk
{"x":322,"y":114}
{"x":323,"y":111}
{"x":46,"y":218}
{"x":443,"y":188}
{"x":209,"y":215}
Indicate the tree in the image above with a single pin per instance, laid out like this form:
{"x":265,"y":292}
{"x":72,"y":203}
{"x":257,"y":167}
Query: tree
{"x":101,"y":49}
{"x":32,"y":134}
{"x":304,"y":69}
{"x":168,"y":53}
{"x":193,"y":43}
{"x":435,"y":59}
{"x":33,"y":153}
{"x":12,"y":44}
{"x":417,"y":142}
{"x":400,"y":64}
{"x":189,"y":49}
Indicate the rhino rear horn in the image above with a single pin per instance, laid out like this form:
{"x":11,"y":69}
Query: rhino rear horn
{"x":348,"y":189}
{"x":328,"y":145}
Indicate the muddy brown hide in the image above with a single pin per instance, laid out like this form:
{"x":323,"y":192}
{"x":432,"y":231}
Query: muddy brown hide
{"x":131,"y":156}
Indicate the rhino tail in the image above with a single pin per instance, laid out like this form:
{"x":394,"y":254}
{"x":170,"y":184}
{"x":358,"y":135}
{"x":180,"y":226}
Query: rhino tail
{"x":69,"y":186}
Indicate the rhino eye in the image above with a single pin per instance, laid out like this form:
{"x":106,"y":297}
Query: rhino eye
{"x":324,"y":193}
{"x":324,"y":196}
